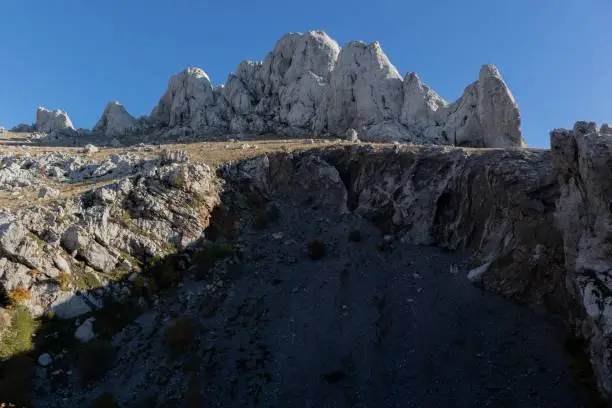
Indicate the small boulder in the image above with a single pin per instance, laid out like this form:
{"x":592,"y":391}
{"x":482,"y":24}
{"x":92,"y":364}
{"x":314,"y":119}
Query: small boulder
{"x":352,"y":135}
{"x":47,"y":192}
{"x":45,"y":360}
{"x":85,"y":332}
{"x":90,"y":149}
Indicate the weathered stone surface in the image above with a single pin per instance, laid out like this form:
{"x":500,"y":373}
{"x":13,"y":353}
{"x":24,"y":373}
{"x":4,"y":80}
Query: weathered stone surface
{"x":163,"y":209}
{"x":583,"y":165}
{"x":307,"y":84}
{"x":115,"y":120}
{"x":188,"y":95}
{"x":364,"y":89}
{"x":85,"y":332}
{"x":50,"y":120}
{"x":47,"y":192}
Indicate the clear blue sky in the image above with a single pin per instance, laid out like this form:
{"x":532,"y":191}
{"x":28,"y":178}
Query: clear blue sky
{"x":79,"y":54}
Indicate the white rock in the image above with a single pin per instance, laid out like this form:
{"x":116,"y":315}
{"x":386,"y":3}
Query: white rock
{"x":352,"y":135}
{"x":47,"y":192}
{"x":69,"y":305}
{"x":85,"y":332}
{"x":188,"y":95}
{"x":50,"y":120}
{"x":45,"y":359}
{"x":115,"y":120}
{"x":61,"y":263}
{"x":90,"y":149}
{"x":364,"y":88}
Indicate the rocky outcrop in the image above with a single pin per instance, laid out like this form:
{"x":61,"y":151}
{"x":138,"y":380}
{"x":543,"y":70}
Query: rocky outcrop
{"x":496,"y":204}
{"x":106,"y":231}
{"x":365,"y":90}
{"x":307,"y":85}
{"x":115,"y":120}
{"x":583,"y":165}
{"x":186,"y":100}
{"x":23,"y":128}
{"x":50,"y":120}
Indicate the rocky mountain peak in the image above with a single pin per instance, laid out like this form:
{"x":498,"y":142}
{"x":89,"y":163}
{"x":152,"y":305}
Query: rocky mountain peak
{"x":115,"y":120}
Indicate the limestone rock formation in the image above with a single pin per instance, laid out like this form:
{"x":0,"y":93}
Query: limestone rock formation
{"x":50,"y":120}
{"x":308,"y":84}
{"x":583,"y":165}
{"x":186,"y":100}
{"x":167,"y":206}
{"x":115,"y":120}
{"x":365,"y":89}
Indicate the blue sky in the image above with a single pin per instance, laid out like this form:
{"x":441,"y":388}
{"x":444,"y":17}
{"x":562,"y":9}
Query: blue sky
{"x":77,"y":55}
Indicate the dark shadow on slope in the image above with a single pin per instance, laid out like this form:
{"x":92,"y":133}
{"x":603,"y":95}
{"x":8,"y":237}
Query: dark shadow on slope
{"x":161,"y":276}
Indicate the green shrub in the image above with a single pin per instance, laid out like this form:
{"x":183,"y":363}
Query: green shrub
{"x":180,"y":335}
{"x":165,"y":273}
{"x":316,"y":249}
{"x":19,"y":338}
{"x":105,"y":400}
{"x":95,"y":359}
{"x":16,"y":375}
{"x":205,"y":258}
{"x":354,"y":236}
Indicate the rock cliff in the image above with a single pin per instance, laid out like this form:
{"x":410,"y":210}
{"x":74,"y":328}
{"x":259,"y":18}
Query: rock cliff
{"x":309,"y":85}
{"x":115,"y":120}
{"x":50,"y":120}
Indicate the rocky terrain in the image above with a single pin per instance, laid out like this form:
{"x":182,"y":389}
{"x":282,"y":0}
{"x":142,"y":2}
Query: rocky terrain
{"x":198,"y":256}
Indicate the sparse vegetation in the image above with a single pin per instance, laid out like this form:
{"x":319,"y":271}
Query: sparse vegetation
{"x":266,"y":216}
{"x":94,"y":360}
{"x":19,"y":338}
{"x":19,"y":295}
{"x":316,"y":249}
{"x":104,"y":400}
{"x":165,"y":272}
{"x":64,"y":281}
{"x":113,"y":318}
{"x":16,"y":375}
{"x":354,"y":235}
{"x":180,"y":335}
{"x":205,"y":258}
{"x":85,"y":280}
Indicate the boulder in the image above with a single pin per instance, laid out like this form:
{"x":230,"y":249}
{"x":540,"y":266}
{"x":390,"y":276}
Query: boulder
{"x":50,"y":120}
{"x":85,"y":332}
{"x":47,"y":192}
{"x":45,"y":359}
{"x":115,"y":120}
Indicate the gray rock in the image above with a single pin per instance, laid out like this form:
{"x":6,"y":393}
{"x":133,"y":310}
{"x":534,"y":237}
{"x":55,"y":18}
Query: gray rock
{"x":115,"y":121}
{"x":85,"y":332}
{"x":48,"y":192}
{"x":90,"y":149}
{"x":50,"y":120}
{"x":68,"y":305}
{"x":45,"y":360}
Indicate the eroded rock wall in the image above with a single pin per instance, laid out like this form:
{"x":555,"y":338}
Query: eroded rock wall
{"x":583,"y":166}
{"x":105,"y":233}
